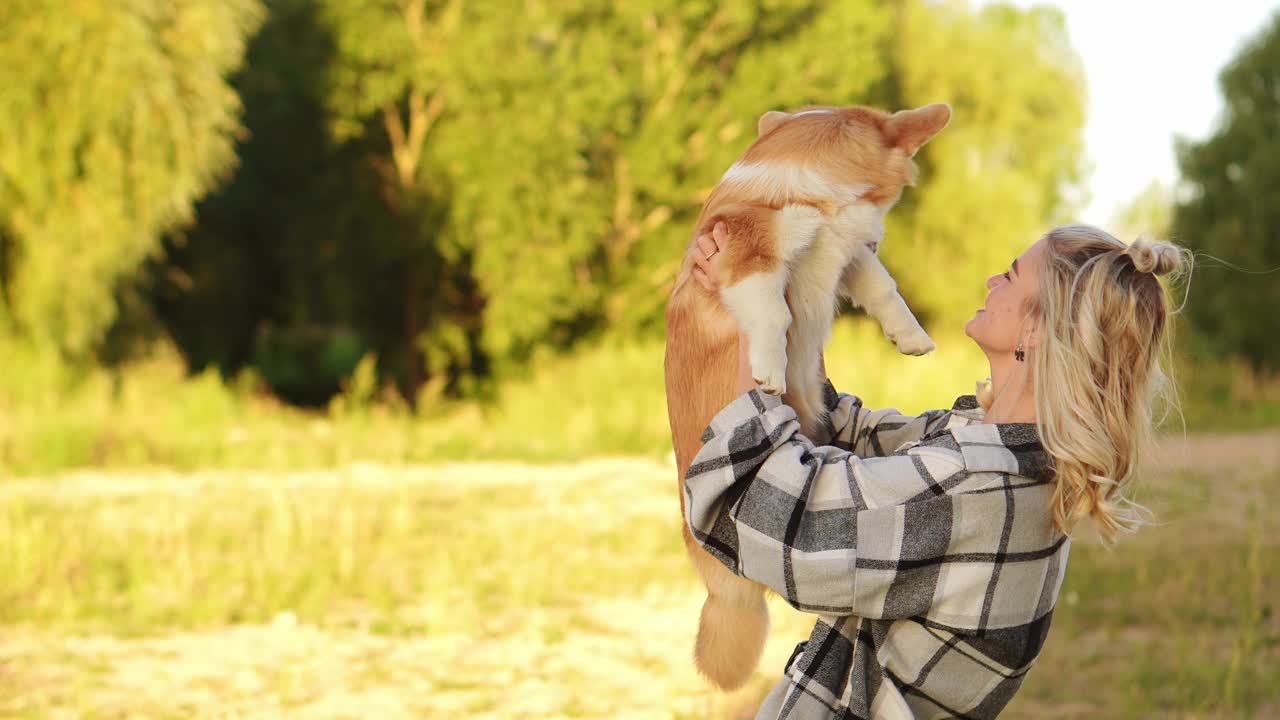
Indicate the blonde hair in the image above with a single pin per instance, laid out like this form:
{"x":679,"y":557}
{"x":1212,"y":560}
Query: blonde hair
{"x":1104,"y":333}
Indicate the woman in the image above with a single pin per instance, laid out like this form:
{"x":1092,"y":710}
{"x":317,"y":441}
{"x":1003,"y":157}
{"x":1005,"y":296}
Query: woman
{"x":932,"y":548}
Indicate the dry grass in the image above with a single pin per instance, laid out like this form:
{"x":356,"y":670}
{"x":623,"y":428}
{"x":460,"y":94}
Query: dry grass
{"x":499,"y":590}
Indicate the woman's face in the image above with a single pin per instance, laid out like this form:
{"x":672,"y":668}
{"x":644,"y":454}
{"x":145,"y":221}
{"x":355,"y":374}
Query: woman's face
{"x":1002,"y":321}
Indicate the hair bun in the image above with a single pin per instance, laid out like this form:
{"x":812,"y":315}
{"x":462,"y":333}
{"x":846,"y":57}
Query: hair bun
{"x":1154,"y":256}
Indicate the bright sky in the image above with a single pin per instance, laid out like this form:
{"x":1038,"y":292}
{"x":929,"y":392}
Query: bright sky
{"x":1152,"y":68}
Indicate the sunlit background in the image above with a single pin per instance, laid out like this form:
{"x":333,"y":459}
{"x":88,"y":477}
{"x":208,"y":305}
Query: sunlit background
{"x":331,"y":337}
{"x":1152,"y":71}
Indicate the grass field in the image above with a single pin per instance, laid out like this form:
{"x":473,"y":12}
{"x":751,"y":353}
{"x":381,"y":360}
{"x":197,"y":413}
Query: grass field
{"x":543,"y":591}
{"x":605,"y":398}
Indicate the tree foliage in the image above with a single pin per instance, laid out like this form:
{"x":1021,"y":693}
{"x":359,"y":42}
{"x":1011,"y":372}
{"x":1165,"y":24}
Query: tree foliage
{"x":459,"y":186}
{"x":1232,"y":210}
{"x":1000,"y":174}
{"x":114,"y":119}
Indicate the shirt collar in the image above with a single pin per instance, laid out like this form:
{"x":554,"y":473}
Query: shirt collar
{"x":1000,"y":447}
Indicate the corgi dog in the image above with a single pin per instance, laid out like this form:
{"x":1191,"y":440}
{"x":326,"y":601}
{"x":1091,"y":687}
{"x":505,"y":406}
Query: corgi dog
{"x":804,"y":207}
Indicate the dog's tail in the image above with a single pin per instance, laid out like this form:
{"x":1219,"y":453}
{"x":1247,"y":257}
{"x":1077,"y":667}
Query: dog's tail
{"x":731,"y":635}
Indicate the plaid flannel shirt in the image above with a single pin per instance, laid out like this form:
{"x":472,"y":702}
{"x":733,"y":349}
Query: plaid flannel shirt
{"x":925,"y":546}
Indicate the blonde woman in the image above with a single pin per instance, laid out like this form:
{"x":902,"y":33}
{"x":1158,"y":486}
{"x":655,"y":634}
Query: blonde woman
{"x":932,"y":548}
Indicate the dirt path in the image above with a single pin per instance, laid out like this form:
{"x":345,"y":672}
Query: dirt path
{"x":632,"y":663}
{"x":1209,"y":452}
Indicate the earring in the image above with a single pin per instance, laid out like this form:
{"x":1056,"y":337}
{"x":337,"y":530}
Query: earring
{"x":1018,"y":354}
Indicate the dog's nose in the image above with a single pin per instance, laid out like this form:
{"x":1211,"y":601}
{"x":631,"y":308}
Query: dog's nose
{"x":875,"y":246}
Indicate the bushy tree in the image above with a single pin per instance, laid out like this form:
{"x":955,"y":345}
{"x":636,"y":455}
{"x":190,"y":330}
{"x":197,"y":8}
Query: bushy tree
{"x":578,"y":184}
{"x":463,"y":191}
{"x":533,"y":182}
{"x":286,"y":269}
{"x":1231,"y":212}
{"x":1001,"y":173}
{"x":114,"y":118}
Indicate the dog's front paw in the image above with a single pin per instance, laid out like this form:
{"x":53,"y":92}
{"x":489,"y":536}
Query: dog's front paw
{"x":913,"y":342}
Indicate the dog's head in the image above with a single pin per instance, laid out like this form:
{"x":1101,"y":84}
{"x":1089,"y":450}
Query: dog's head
{"x":850,"y":154}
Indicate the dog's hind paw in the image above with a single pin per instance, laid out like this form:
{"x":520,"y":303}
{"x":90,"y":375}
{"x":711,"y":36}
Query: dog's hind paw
{"x":773,"y":382}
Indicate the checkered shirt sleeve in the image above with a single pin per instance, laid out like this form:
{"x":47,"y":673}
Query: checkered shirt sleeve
{"x":831,"y":532}
{"x":874,"y":433}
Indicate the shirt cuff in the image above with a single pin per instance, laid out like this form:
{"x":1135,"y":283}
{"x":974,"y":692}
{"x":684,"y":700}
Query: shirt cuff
{"x":747,"y":405}
{"x":740,"y":438}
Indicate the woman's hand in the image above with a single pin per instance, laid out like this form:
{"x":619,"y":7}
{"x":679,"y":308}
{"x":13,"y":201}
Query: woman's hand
{"x":706,"y":262}
{"x":706,"y":270}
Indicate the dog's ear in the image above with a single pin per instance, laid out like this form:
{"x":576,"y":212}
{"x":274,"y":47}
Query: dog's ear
{"x":909,"y":130}
{"x":769,"y":121}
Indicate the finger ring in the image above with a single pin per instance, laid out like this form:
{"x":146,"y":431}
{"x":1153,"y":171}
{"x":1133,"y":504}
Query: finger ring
{"x":713,"y":252}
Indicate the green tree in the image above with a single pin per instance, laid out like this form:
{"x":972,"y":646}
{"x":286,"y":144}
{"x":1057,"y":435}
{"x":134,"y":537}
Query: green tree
{"x":326,"y":243}
{"x":534,"y":180}
{"x":464,"y":191}
{"x":1232,"y":211}
{"x":389,"y":83}
{"x":577,"y":184}
{"x":114,"y":119}
{"x":1001,"y":173}
{"x":283,"y":269}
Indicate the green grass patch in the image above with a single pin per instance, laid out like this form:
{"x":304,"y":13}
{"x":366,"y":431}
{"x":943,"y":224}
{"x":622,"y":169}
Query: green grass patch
{"x":190,"y":551}
{"x":606,"y":399}
{"x":1178,"y":620}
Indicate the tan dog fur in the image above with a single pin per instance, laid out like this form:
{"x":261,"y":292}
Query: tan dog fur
{"x":804,"y":207}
